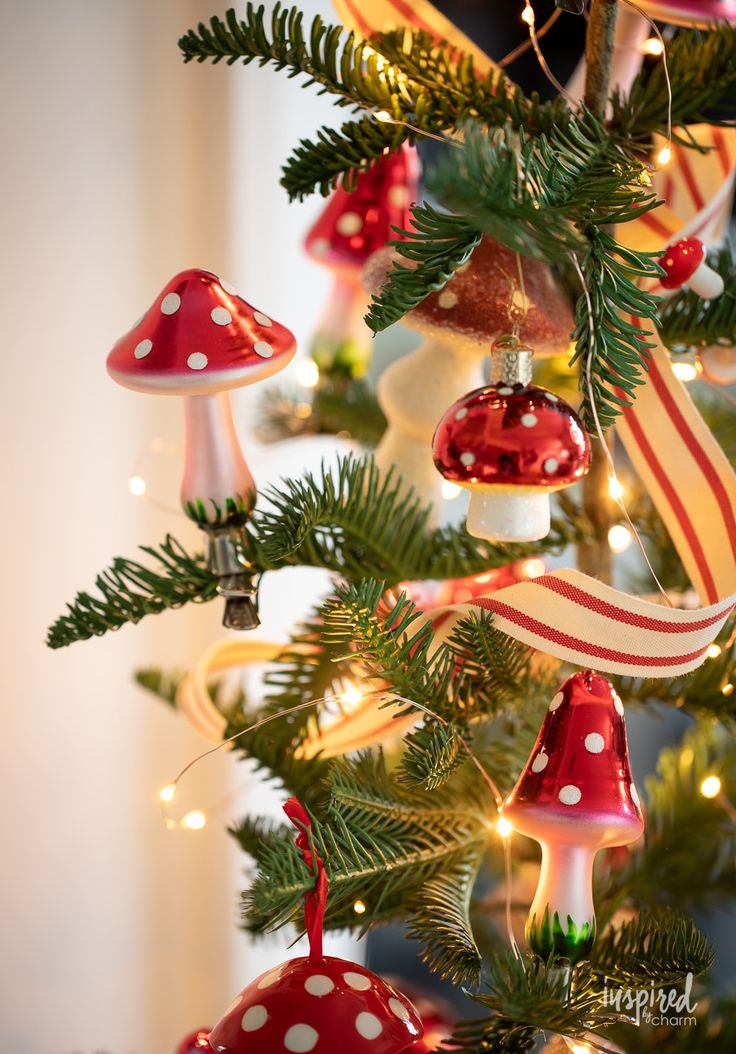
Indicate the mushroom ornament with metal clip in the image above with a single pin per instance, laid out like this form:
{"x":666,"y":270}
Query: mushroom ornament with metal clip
{"x":575,"y":797}
{"x":354,"y":224}
{"x":511,"y":445}
{"x":317,"y":1003}
{"x":198,"y":340}
{"x":684,"y":264}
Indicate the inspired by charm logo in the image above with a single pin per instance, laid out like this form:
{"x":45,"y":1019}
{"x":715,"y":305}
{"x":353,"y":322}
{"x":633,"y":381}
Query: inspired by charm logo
{"x":654,"y":1006}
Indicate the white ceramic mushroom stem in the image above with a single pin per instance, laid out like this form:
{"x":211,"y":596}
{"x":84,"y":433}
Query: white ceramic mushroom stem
{"x":565,"y":888}
{"x":343,"y":318}
{"x":510,"y":515}
{"x":706,"y":282}
{"x":214,"y":466}
{"x":414,"y":392}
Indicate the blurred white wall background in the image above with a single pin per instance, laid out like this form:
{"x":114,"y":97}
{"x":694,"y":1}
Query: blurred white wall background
{"x":120,"y":167}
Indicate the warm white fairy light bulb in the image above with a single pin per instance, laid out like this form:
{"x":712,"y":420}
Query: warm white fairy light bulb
{"x":137,"y":486}
{"x":714,"y":650}
{"x":727,"y":689}
{"x":359,"y":907}
{"x":351,"y":695}
{"x":710,"y":787}
{"x":167,"y":793}
{"x":652,"y":46}
{"x":664,"y":156}
{"x":194,"y":820}
{"x":615,"y":488}
{"x":527,"y":15}
{"x":619,"y":538}
{"x":384,"y":116}
{"x":503,"y":827}
{"x":684,"y":370}
{"x":533,"y":567}
{"x":307,"y":373}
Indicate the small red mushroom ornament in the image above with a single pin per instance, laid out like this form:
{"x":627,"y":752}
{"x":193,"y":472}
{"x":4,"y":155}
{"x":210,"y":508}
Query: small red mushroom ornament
{"x":684,"y":264}
{"x":511,"y":444}
{"x":317,"y":1003}
{"x":575,"y":797}
{"x":198,"y":340}
{"x":196,"y":1043}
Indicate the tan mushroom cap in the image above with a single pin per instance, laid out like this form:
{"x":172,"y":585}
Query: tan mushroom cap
{"x":474,"y":304}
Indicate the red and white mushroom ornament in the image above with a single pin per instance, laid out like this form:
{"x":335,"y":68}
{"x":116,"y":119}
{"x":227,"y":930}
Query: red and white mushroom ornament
{"x":684,"y":264}
{"x":575,"y":797}
{"x":354,"y":224}
{"x":511,"y":444}
{"x":317,"y":1003}
{"x":198,"y":340}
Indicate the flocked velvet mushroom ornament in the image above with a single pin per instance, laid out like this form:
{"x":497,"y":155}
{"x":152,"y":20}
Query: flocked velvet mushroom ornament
{"x":575,"y":797}
{"x":459,"y":324}
{"x":198,"y":340}
{"x":511,"y":444}
{"x":317,"y":1003}
{"x":353,"y":225}
{"x":684,"y":263}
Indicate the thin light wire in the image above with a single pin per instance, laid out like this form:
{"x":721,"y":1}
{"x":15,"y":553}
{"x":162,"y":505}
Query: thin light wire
{"x":594,"y":410}
{"x":520,"y":49}
{"x":534,"y":38}
{"x":665,"y":66}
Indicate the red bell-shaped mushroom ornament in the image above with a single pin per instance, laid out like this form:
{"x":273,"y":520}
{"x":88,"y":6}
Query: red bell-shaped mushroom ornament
{"x":318,"y":1003}
{"x":353,"y":225}
{"x":511,"y":445}
{"x":196,"y":1043}
{"x":198,"y":340}
{"x":574,"y":797}
{"x":684,"y":264}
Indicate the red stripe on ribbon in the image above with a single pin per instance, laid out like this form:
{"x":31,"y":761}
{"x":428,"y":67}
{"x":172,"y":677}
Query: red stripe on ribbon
{"x":721,"y":146}
{"x":406,"y":11}
{"x":362,"y":25}
{"x":656,"y":225}
{"x":692,"y":183}
{"x":618,"y":614}
{"x":583,"y":647}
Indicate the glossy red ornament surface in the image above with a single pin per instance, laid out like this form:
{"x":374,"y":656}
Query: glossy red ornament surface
{"x":195,"y":1043}
{"x":438,"y":1016}
{"x":429,"y":594}
{"x":576,"y":787}
{"x":356,"y":223}
{"x":680,"y":261}
{"x":199,"y":337}
{"x":327,"y":1005}
{"x":506,"y":436}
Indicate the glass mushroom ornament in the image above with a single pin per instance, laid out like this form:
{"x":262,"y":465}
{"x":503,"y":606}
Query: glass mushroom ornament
{"x":352,"y":226}
{"x":317,"y":1003}
{"x":575,"y":797}
{"x":476,"y":307}
{"x":198,"y":340}
{"x":511,"y":444}
{"x":684,"y":264}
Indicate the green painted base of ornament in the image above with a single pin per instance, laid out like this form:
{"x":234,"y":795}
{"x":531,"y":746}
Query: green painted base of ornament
{"x":211,"y":514}
{"x":573,"y":943}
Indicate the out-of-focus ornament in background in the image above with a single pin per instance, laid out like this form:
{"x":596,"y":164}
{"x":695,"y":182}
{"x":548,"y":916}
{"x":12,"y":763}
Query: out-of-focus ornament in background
{"x":684,"y":264}
{"x":575,"y":797}
{"x":195,"y":1043}
{"x":477,"y":306}
{"x":511,"y":445}
{"x":701,"y":13}
{"x":718,"y":363}
{"x":438,"y":1016}
{"x":352,"y":226}
{"x":198,"y":340}
{"x":317,"y":1003}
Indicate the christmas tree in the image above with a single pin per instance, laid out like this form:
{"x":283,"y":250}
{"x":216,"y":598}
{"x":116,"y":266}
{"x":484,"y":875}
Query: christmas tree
{"x":403,"y":720}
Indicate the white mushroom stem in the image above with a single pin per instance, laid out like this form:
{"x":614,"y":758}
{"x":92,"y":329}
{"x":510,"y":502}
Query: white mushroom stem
{"x":414,"y":392}
{"x":214,"y":466}
{"x":565,"y":887}
{"x":508,"y":516}
{"x":342,"y":321}
{"x":706,"y":282}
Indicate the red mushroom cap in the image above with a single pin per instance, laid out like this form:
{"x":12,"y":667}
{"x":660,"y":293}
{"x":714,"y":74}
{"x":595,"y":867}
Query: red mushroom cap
{"x":577,"y":787}
{"x":195,"y":1043}
{"x":197,"y":338}
{"x":680,"y":261}
{"x":520,"y":436}
{"x":356,"y":223}
{"x":327,"y":1005}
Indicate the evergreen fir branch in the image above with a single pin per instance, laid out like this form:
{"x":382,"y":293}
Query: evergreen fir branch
{"x":431,"y":755}
{"x":128,"y":591}
{"x":702,"y":68}
{"x":660,"y":950}
{"x":435,"y":247}
{"x":163,"y":684}
{"x":339,"y":406}
{"x":686,"y":320}
{"x":440,"y":921}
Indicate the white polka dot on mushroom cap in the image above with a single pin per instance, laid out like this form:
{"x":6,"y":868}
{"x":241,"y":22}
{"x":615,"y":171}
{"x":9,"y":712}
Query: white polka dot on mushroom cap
{"x":528,"y":420}
{"x":398,"y":196}
{"x":357,"y":981}
{"x":594,"y":742}
{"x":505,"y":390}
{"x":318,"y":984}
{"x":467,"y":459}
{"x":551,"y":464}
{"x":263,"y":349}
{"x":448,"y":299}
{"x":261,"y":319}
{"x":570,"y":794}
{"x":399,"y":1009}
{"x":197,"y":360}
{"x":255,"y":1017}
{"x":618,"y":704}
{"x":221,"y":316}
{"x":556,"y":701}
{"x":634,"y":795}
{"x":170,"y":304}
{"x":320,"y":247}
{"x":461,"y":414}
{"x":301,"y":1038}
{"x":143,"y":348}
{"x":268,"y":979}
{"x":540,"y":762}
{"x":228,"y":287}
{"x":368,"y":1026}
{"x":349,"y":223}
